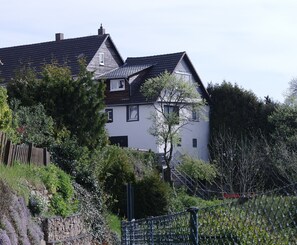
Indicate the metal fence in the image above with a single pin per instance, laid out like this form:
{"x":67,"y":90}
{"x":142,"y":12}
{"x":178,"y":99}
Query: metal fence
{"x":267,"y":218}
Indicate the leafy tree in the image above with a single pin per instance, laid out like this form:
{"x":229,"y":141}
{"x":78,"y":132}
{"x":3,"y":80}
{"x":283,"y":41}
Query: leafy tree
{"x":174,"y":100}
{"x":291,"y":95}
{"x":73,"y":102}
{"x":284,"y":123}
{"x":284,"y":142}
{"x":238,"y":111}
{"x":5,"y":112}
{"x":34,"y":126}
{"x":6,"y":122}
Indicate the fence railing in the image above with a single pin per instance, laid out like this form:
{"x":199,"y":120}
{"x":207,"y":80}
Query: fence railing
{"x":9,"y":153}
{"x":267,"y":218}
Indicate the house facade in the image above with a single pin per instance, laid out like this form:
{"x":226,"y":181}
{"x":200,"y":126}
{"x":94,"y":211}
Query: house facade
{"x":129,"y":112}
{"x":127,"y":109}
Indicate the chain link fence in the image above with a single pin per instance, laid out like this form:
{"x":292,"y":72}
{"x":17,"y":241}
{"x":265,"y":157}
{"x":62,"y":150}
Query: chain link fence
{"x":267,"y":218}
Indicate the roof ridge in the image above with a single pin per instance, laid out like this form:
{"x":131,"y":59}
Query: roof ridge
{"x":158,"y":55}
{"x":49,"y":42}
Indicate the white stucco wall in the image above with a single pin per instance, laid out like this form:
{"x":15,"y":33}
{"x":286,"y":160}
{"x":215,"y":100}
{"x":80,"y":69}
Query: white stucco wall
{"x":196,"y":130}
{"x":137,"y":131}
{"x":139,"y":137}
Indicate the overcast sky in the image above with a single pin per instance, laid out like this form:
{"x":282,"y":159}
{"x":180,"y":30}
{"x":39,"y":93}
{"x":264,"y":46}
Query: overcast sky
{"x":248,"y":42}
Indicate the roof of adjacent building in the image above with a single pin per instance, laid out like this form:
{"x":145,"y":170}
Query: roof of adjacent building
{"x":125,"y":71}
{"x":149,"y":67}
{"x":65,"y":51}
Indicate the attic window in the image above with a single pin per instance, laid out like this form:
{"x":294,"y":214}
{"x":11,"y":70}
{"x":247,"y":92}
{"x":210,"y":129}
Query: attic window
{"x":101,"y":59}
{"x":184,"y":76}
{"x":117,"y":85}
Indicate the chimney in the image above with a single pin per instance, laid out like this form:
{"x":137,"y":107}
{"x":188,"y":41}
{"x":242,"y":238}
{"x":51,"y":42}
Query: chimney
{"x":59,"y":36}
{"x":101,"y":31}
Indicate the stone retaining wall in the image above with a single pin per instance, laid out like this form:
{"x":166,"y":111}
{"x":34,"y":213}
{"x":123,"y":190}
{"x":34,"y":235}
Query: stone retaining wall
{"x":69,"y":230}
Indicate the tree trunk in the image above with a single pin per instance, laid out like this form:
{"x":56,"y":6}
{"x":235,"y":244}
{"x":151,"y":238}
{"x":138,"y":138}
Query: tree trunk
{"x":167,"y":175}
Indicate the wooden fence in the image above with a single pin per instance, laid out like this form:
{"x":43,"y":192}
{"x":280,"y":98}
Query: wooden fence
{"x":9,"y":153}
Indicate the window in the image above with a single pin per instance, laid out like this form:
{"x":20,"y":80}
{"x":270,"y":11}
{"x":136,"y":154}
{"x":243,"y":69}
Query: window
{"x":132,"y":113}
{"x":169,"y":109}
{"x":109,"y":113}
{"x":195,"y":115}
{"x":117,"y":85}
{"x":194,"y":143}
{"x":184,"y":76}
{"x":179,"y":142}
{"x":101,"y":59}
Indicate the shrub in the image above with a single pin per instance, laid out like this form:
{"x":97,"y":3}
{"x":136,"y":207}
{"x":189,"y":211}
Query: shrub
{"x":116,"y":171}
{"x":36,"y":205}
{"x":59,"y":184}
{"x":34,"y":126}
{"x":181,"y":201}
{"x":198,"y":169}
{"x":152,"y":197}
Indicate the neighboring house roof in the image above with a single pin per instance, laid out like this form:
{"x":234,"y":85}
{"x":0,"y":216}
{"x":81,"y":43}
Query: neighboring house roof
{"x":63,"y":51}
{"x":125,"y":71}
{"x":149,"y":67}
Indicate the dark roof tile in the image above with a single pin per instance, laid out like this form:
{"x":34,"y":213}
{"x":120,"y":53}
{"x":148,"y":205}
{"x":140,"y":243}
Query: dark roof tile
{"x":125,"y":71}
{"x":63,"y":51}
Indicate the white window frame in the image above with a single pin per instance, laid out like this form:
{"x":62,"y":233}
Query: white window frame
{"x":187,"y":77}
{"x":109,"y":113}
{"x":195,"y":115}
{"x":101,"y":59}
{"x":117,"y":85}
{"x":129,"y":113}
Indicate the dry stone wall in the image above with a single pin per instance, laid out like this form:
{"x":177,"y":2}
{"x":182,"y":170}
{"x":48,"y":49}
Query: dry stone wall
{"x":69,"y":230}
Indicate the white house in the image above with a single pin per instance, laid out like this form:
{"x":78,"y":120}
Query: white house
{"x":129,"y":112}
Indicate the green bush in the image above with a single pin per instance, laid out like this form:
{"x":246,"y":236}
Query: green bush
{"x":152,"y":197}
{"x":181,"y":201}
{"x":36,"y":205}
{"x":34,"y":126}
{"x":198,"y":169}
{"x":21,"y":178}
{"x":143,"y":162}
{"x":114,"y":173}
{"x":59,"y":184}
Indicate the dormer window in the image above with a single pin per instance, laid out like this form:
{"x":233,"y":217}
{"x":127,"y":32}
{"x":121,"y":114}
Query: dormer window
{"x":117,"y":85}
{"x":101,"y":59}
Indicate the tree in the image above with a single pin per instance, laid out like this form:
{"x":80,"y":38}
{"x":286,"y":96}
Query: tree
{"x":239,"y":111}
{"x":5,"y":112}
{"x":34,"y":126}
{"x":174,"y":100}
{"x":241,"y":163}
{"x":73,"y":102}
{"x":284,"y":142}
{"x":6,"y":122}
{"x":291,"y":95}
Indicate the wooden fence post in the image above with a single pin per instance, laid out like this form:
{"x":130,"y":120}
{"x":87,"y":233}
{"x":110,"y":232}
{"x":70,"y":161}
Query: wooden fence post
{"x":8,"y":153}
{"x":30,"y":153}
{"x":46,"y":158}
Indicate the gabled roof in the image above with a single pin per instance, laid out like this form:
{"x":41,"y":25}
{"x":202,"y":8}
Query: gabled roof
{"x":62,"y":51}
{"x":152,"y":66}
{"x":125,"y":71}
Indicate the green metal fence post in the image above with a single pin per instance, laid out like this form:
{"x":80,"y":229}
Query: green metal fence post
{"x":151,"y":231}
{"x":194,"y":225}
